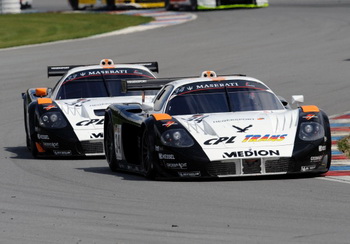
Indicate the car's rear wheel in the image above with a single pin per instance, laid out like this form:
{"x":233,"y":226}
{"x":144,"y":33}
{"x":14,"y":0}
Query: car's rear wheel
{"x":194,"y":5}
{"x":147,"y":156}
{"x":111,"y":5}
{"x":168,"y":6}
{"x":33,"y":148}
{"x":74,"y":4}
{"x":109,"y":145}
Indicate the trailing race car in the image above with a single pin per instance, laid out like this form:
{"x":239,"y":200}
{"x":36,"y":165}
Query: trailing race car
{"x":211,"y":126}
{"x":113,"y":4}
{"x":213,"y":4}
{"x":67,"y":120}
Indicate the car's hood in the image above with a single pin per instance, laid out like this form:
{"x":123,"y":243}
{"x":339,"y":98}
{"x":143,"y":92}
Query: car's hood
{"x":88,"y":114}
{"x":244,"y":134}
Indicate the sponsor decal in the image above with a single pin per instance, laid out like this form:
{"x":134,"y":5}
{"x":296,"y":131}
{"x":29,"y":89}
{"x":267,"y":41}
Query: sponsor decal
{"x":166,"y":156}
{"x":51,"y":144}
{"x":176,"y":165}
{"x":79,"y":102}
{"x":100,"y":104}
{"x":251,"y":153}
{"x":322,"y":148}
{"x":265,"y":138}
{"x":316,"y":159}
{"x":190,"y":174}
{"x":137,"y":81}
{"x":197,"y":118}
{"x":308,"y":168}
{"x":216,"y":85}
{"x":240,"y":130}
{"x":63,"y":153}
{"x":137,"y":72}
{"x":215,"y":141}
{"x":43,"y":137}
{"x":169,"y":123}
{"x":230,"y":120}
{"x":96,"y":135}
{"x":158,"y":148}
{"x":219,"y":85}
{"x":108,"y":71}
{"x":90,"y":122}
{"x":310,"y":116}
{"x":47,"y":108}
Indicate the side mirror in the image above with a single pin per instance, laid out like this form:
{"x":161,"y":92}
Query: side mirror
{"x":284,"y":102}
{"x":41,"y":92}
{"x":297,"y":99}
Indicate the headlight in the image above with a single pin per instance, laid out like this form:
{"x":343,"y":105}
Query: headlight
{"x":176,"y":138}
{"x":311,"y":131}
{"x":52,"y":120}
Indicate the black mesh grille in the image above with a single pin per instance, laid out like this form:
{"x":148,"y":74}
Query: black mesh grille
{"x":217,"y":168}
{"x":92,"y":147}
{"x":277,"y":165}
{"x":251,"y":166}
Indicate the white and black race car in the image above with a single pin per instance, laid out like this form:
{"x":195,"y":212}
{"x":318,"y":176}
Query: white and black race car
{"x":67,"y":120}
{"x":215,"y":126}
{"x":214,"y":4}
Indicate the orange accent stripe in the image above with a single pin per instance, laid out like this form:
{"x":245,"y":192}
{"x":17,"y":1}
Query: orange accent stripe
{"x":218,"y":79}
{"x":310,"y":108}
{"x":162,"y":116}
{"x":39,"y":148}
{"x":44,"y":100}
{"x":41,"y":92}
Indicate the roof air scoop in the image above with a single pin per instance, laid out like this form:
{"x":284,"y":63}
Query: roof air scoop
{"x":208,"y":74}
{"x":106,"y":62}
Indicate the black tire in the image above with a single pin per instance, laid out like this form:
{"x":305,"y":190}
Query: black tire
{"x":74,"y":4}
{"x":110,"y":147}
{"x":194,"y":5}
{"x":168,"y":6}
{"x":33,"y":149}
{"x":111,"y":5}
{"x":329,"y":145}
{"x":147,"y":157}
{"x":25,"y":123}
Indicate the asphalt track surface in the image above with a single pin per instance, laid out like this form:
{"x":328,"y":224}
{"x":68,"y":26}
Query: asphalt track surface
{"x":296,"y":47}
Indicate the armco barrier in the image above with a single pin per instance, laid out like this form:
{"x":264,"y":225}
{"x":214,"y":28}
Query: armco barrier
{"x":10,"y":6}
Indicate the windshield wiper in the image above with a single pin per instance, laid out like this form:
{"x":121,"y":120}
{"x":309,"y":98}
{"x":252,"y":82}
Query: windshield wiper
{"x":228,"y":100}
{"x":105,"y":84}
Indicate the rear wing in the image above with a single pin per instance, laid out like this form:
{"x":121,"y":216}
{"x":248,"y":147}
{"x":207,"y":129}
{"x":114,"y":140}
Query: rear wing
{"x":150,"y":84}
{"x":61,"y":70}
{"x":153,"y":84}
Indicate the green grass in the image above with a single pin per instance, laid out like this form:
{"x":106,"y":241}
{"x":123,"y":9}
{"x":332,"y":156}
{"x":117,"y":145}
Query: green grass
{"x":24,"y":29}
{"x":344,"y":145}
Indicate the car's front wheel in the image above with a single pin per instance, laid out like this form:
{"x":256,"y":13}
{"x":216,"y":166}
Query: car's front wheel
{"x":147,"y":156}
{"x":109,"y":145}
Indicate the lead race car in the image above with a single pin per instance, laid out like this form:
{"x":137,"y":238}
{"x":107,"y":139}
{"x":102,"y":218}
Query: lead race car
{"x":215,"y":126}
{"x":67,"y":120}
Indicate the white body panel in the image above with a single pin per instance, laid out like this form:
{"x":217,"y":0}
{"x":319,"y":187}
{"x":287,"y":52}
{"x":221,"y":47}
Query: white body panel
{"x":81,"y":114}
{"x":226,"y":136}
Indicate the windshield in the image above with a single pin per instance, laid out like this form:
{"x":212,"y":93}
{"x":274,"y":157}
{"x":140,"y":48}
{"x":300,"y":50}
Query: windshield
{"x":99,"y":83}
{"x":217,"y":99}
